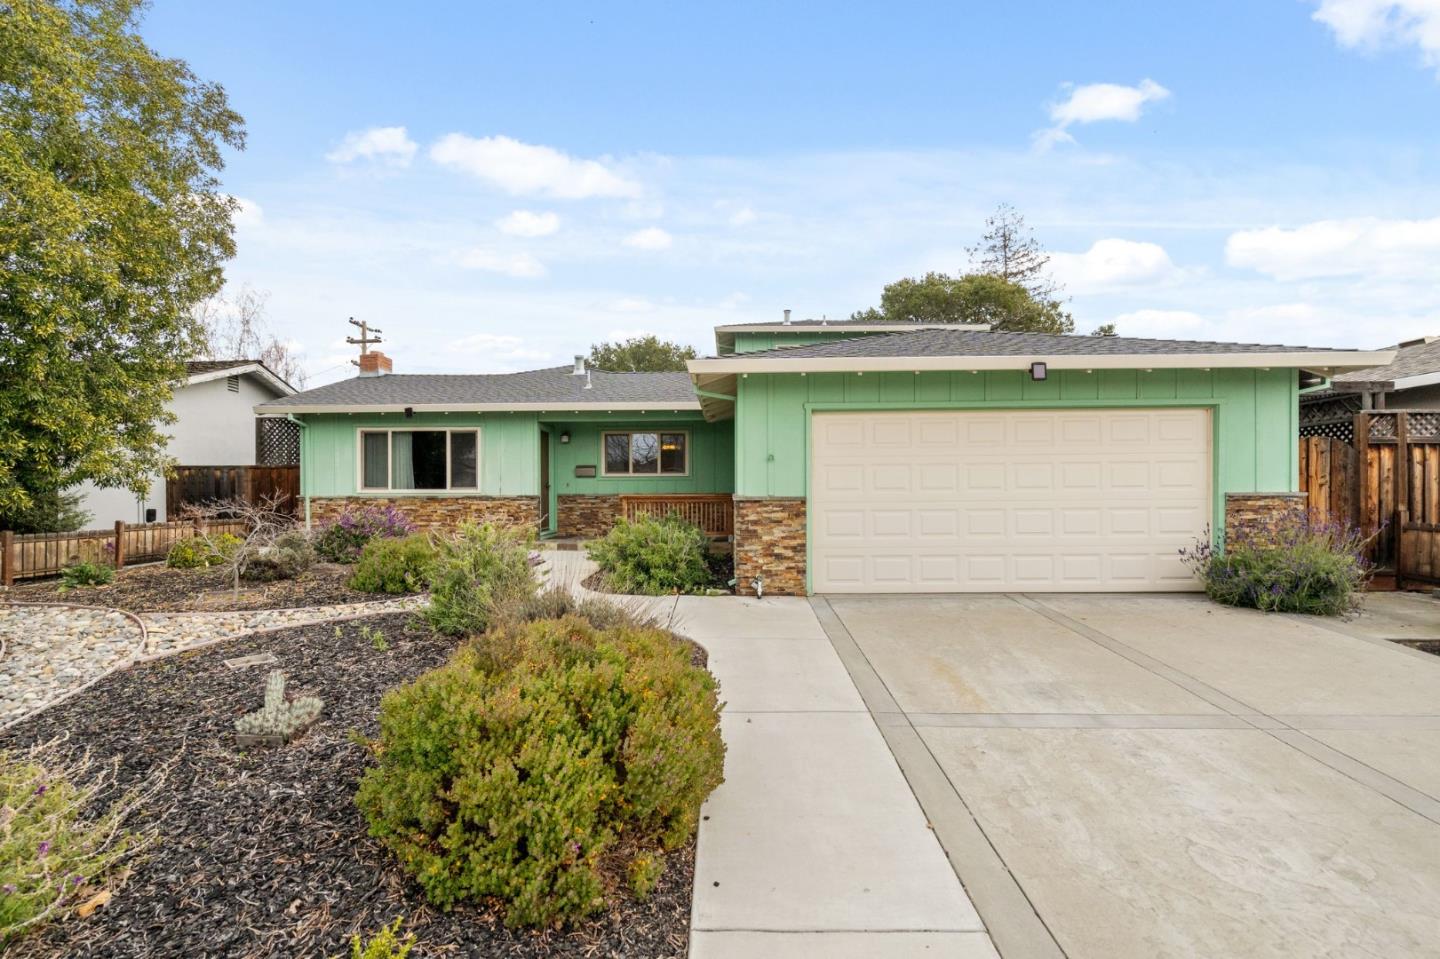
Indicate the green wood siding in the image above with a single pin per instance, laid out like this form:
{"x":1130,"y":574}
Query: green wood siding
{"x":509,"y":450}
{"x":1255,"y":414}
{"x":712,"y":457}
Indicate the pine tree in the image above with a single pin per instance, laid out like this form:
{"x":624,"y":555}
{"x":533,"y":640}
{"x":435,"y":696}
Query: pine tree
{"x":1008,"y":249}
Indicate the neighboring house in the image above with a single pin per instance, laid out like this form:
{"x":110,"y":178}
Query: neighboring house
{"x":215,"y":425}
{"x":1410,"y":382}
{"x":912,"y":458}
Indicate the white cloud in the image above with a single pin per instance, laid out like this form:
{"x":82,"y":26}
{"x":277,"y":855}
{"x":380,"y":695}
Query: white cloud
{"x":526,"y":223}
{"x":743,"y":217}
{"x":1159,"y":323}
{"x":525,"y":168}
{"x":499,"y":351}
{"x":521,"y":265}
{"x":1112,"y":263}
{"x":1365,"y":245}
{"x":734,"y":300}
{"x":650,"y":238}
{"x":247,"y":213}
{"x":1373,"y":24}
{"x":632,"y":304}
{"x":1095,"y":102}
{"x":390,"y":146}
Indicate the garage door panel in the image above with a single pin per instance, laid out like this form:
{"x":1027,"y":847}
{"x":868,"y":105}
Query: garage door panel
{"x":953,"y":501}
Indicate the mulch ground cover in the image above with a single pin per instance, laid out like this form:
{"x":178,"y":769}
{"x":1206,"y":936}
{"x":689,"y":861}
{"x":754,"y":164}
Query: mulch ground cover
{"x":157,"y":588}
{"x":263,"y":852}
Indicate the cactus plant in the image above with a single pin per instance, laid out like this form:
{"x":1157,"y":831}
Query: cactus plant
{"x":279,"y":717}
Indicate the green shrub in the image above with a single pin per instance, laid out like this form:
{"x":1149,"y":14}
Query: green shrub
{"x":1288,"y":567}
{"x":62,"y":835}
{"x":653,"y":556}
{"x":394,"y":565}
{"x":386,"y":944}
{"x":286,"y":557}
{"x":644,"y":872}
{"x":511,"y":770}
{"x":556,"y":602}
{"x":341,"y":540}
{"x":476,"y":572}
{"x":85,"y":573}
{"x":195,"y":552}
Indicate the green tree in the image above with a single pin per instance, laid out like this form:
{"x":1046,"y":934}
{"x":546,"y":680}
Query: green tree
{"x":112,"y":229}
{"x":640,"y":354}
{"x":972,"y":298}
{"x":1008,"y":249}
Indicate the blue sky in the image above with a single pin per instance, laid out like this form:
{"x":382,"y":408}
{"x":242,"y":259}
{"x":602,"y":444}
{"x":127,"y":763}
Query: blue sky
{"x":500,"y":186}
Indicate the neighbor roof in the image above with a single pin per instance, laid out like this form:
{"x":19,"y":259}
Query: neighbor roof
{"x":556,"y":388}
{"x":1416,"y":363}
{"x":203,"y":371}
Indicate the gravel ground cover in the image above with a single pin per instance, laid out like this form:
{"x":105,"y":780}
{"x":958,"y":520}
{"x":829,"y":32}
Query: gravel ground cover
{"x":47,"y":650}
{"x":157,"y":588}
{"x":264,"y":853}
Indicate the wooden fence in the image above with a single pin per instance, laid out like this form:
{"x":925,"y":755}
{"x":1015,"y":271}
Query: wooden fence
{"x":1388,"y":482}
{"x":29,"y":555}
{"x":712,"y":512}
{"x":200,"y":485}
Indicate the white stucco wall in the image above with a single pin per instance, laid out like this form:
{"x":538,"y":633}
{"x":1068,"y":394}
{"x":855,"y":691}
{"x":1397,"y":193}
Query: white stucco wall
{"x":214,"y":427}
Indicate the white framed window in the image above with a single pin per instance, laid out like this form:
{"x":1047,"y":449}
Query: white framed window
{"x":645,"y":453}
{"x":417,"y":460}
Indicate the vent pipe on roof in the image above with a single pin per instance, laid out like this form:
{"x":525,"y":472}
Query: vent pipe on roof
{"x":787,"y":317}
{"x":579,"y":365}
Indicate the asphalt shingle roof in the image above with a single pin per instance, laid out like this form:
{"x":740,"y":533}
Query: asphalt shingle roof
{"x":1416,"y":359}
{"x":557,"y":385}
{"x":934,"y":342}
{"x":196,"y":367}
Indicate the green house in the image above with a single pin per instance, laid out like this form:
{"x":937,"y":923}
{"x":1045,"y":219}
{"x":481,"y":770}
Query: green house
{"x":849,"y":457}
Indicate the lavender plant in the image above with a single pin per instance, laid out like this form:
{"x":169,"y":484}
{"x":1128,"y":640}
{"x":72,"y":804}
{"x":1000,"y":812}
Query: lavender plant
{"x":1286,"y":566}
{"x":343,"y":539}
{"x":279,"y":716}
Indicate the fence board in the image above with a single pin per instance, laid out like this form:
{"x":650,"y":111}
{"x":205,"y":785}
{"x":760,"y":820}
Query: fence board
{"x":712,"y":512}
{"x":200,"y":485}
{"x":31,"y":555}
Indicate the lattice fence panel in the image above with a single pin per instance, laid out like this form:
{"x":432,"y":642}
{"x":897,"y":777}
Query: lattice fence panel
{"x":277,"y":442}
{"x":1332,"y":417}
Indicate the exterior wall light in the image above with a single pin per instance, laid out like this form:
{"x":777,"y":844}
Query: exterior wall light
{"x":565,"y":437}
{"x":1037,"y":371}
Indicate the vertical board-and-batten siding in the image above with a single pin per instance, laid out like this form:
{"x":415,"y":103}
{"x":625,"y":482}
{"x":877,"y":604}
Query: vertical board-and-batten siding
{"x":711,"y":457}
{"x":1255,"y":414}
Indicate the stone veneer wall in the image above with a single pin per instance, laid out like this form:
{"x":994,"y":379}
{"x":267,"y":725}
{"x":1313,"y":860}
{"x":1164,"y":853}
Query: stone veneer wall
{"x":590,"y":516}
{"x":770,"y":542}
{"x":1257,"y":513}
{"x":437,"y":512}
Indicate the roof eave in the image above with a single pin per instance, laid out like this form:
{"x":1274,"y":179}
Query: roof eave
{"x":257,"y":370}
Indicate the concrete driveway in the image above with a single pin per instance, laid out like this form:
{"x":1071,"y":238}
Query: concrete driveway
{"x":1117,"y":776}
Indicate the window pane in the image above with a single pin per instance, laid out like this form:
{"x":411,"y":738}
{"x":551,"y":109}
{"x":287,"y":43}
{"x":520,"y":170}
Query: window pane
{"x":644,"y":453}
{"x":617,"y":452}
{"x":374,"y":457}
{"x":462,"y":460}
{"x":427,"y":458}
{"x":672,"y":452}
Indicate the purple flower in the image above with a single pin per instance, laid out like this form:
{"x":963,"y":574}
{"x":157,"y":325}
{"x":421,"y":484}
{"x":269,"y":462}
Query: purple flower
{"x":10,"y":889}
{"x":40,"y":790}
{"x":43,"y":848}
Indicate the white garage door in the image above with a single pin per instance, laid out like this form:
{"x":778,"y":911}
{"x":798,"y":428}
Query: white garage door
{"x":975,"y":501}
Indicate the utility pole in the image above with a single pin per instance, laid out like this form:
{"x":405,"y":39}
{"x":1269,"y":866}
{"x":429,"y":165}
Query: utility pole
{"x":365,"y":340}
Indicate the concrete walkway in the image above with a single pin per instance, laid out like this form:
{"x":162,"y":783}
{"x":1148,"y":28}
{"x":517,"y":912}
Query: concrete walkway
{"x":814,"y":847}
{"x":1141,"y":776}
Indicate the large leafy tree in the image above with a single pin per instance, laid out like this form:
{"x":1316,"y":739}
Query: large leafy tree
{"x":972,"y":298}
{"x":112,"y":229}
{"x":640,"y":354}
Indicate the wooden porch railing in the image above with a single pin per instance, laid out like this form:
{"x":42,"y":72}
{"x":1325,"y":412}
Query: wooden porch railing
{"x":712,"y":512}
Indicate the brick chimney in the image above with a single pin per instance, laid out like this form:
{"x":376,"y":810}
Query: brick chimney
{"x":374,"y":363}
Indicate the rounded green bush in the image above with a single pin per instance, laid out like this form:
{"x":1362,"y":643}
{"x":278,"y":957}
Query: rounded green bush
{"x":479,"y":573}
{"x":195,"y":552}
{"x":394,"y":565}
{"x":287,"y":557}
{"x":512,"y":770}
{"x":653,"y":556}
